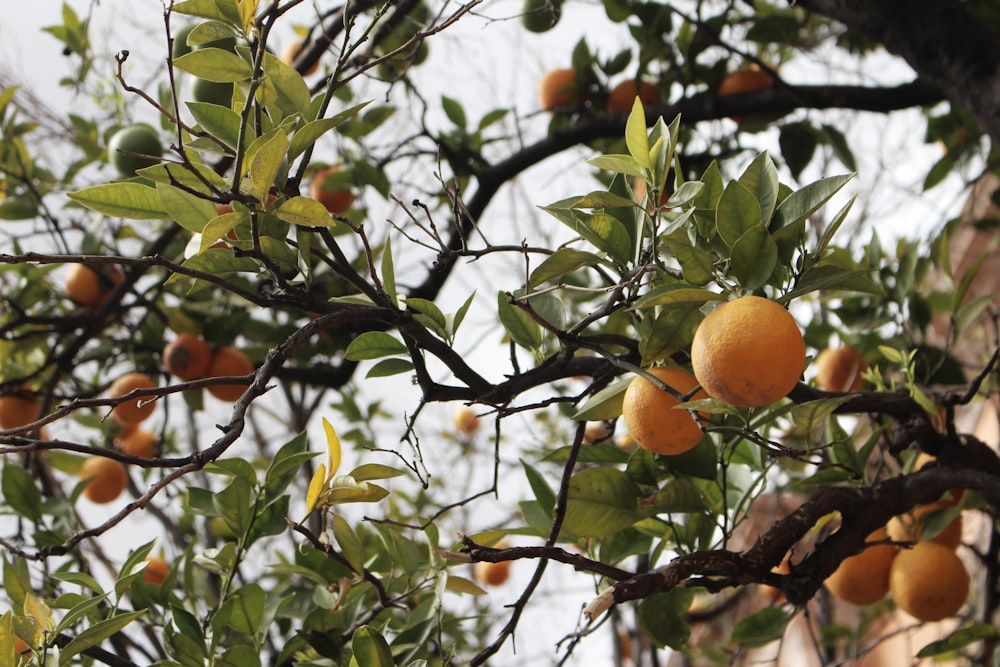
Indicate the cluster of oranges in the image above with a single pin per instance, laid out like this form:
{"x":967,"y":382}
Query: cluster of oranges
{"x":189,"y":357}
{"x":560,"y":88}
{"x":928,"y":581}
{"x":748,"y":352}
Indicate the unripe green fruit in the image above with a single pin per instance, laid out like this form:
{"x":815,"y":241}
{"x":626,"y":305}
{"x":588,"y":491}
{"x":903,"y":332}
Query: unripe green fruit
{"x":540,"y":15}
{"x":134,"y":147}
{"x":180,"y":41}
{"x":211,"y":92}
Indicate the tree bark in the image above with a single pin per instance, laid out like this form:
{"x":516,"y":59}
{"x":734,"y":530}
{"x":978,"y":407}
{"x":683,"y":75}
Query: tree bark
{"x":944,"y":41}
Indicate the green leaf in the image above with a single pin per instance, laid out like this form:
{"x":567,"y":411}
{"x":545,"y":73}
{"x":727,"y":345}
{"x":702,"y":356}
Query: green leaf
{"x":370,"y":648}
{"x":221,"y":122}
{"x":798,"y":144}
{"x":95,"y":634}
{"x":346,"y":489}
{"x":375,"y":471}
{"x":266,"y":155}
{"x":960,"y":638}
{"x":374,"y":345}
{"x":671,"y":330}
{"x":187,"y":210}
{"x":350,"y":545}
{"x":307,"y":135}
{"x":235,"y":505}
{"x":761,"y":628}
{"x":304,"y":211}
{"x":675,"y":293}
{"x":754,"y":257}
{"x":285,"y":465}
{"x":838,"y":142}
{"x":219,"y":10}
{"x":701,"y":462}
{"x":605,"y":404}
{"x":20,"y":492}
{"x":738,"y":211}
{"x":661,"y":617}
{"x":761,"y":179}
{"x":285,"y":86}
{"x":620,"y":164}
{"x":802,"y":203}
{"x":561,"y":262}
{"x":244,"y":609}
{"x":389,"y":367}
{"x":600,"y":501}
{"x":521,"y":327}
{"x":602,"y":199}
{"x":134,"y":201}
{"x":214,"y":64}
{"x":454,"y":111}
{"x":696,"y":264}
{"x":635,"y":136}
{"x":544,"y":494}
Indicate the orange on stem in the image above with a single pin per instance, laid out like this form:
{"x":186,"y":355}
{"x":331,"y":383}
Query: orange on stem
{"x":137,"y":442}
{"x":108,"y":478}
{"x":225,"y":362}
{"x":863,"y":579}
{"x":134,"y":410}
{"x":651,"y":417}
{"x":19,"y":408}
{"x":156,"y":570}
{"x":335,"y":201}
{"x":929,"y":582}
{"x":622,"y":97}
{"x":748,"y":352}
{"x":840,"y":369}
{"x":744,"y":80}
{"x":90,"y":286}
{"x":187,"y":357}
{"x":559,"y":88}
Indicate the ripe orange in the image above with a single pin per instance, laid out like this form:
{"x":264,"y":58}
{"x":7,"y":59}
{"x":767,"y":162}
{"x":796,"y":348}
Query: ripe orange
{"x":649,"y":415}
{"x":909,"y":527}
{"x":137,"y":442}
{"x":748,"y":352}
{"x":492,"y":574}
{"x":228,"y":361}
{"x":595,"y":432}
{"x":744,"y":80}
{"x":622,"y":97}
{"x":108,"y":478}
{"x":929,"y":581}
{"x":466,"y":420}
{"x":295,"y":49}
{"x":187,"y":357}
{"x":90,"y":286}
{"x":137,"y":409}
{"x":20,"y":646}
{"x":559,"y":88}
{"x":18,"y":408}
{"x":864,"y":578}
{"x":156,"y":570}
{"x":335,"y":201}
{"x":840,"y":369}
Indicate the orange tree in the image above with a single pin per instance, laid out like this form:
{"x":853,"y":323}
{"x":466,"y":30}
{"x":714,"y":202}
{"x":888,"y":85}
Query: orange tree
{"x":355,"y":326}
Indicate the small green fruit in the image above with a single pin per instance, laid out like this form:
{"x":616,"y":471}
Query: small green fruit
{"x":180,"y":41}
{"x":134,"y":147}
{"x":203,"y":90}
{"x":540,"y":15}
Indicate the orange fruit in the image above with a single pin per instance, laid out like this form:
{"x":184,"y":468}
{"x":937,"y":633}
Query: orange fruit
{"x":108,"y":478}
{"x":748,"y":352}
{"x":929,"y":581}
{"x":293,"y":51}
{"x":137,"y":409}
{"x":20,"y":646}
{"x":466,"y":420}
{"x":650,"y":416}
{"x":492,"y":574}
{"x":90,"y":286}
{"x":187,"y":357}
{"x":595,"y":432}
{"x":840,"y":369}
{"x":559,"y":88}
{"x":228,"y":361}
{"x":19,"y":408}
{"x":622,"y":97}
{"x":910,"y":526}
{"x":335,"y":201}
{"x":137,"y":442}
{"x":156,"y":570}
{"x":744,"y":80}
{"x":223,"y":209}
{"x":864,"y":578}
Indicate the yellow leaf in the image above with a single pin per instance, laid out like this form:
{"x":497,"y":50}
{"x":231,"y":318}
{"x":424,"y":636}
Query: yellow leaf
{"x":248,"y":11}
{"x":316,"y":487}
{"x":332,"y":448}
